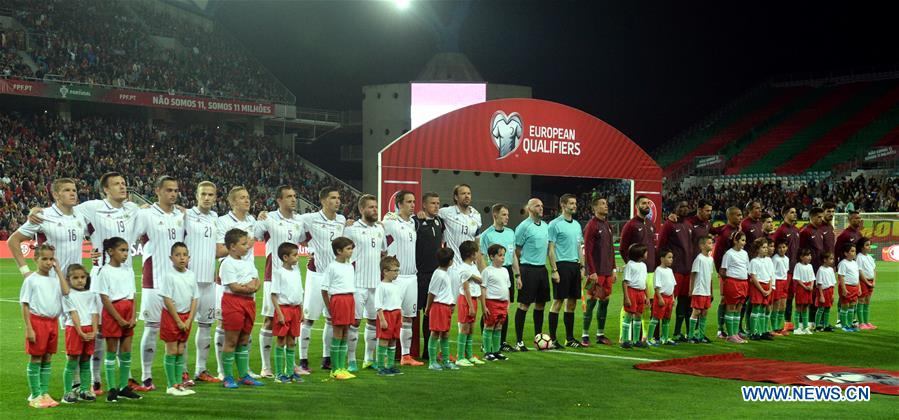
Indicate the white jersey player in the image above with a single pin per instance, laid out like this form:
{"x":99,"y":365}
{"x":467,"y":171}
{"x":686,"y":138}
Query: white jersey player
{"x":200,"y":235}
{"x":462,"y":222}
{"x":401,"y":237}
{"x":371,"y":244}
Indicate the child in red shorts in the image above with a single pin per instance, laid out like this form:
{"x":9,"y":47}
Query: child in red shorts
{"x":115,"y":285}
{"x":497,"y":282}
{"x":468,"y":277}
{"x":825,"y":281}
{"x":389,"y":303}
{"x":664,"y":283}
{"x":701,"y":290}
{"x":83,"y":309}
{"x":735,"y":272}
{"x":240,"y":281}
{"x":287,"y":299}
{"x":179,"y":297}
{"x":634,"y":288}
{"x":782,"y":286}
{"x":803,"y":290}
{"x":338,"y":286}
{"x":41,"y":298}
{"x":866,"y":268}
{"x":441,"y":299}
{"x":848,"y":279}
{"x":759,"y":288}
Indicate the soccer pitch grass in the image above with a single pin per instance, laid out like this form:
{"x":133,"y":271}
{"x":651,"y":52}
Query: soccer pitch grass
{"x":592,"y":382}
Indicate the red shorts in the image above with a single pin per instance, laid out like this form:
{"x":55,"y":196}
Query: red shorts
{"x":111,"y":329}
{"x":499,"y":311}
{"x":604,"y":283}
{"x":802,"y":296}
{"x":782,"y":289}
{"x":701,"y":302}
{"x":464,"y":317}
{"x":828,"y":298}
{"x":682,"y":284}
{"x":637,"y":298}
{"x":735,"y":291}
{"x":238,"y":313}
{"x":46,"y":335}
{"x":663,"y":312}
{"x":439,"y":317}
{"x":342,"y":309}
{"x":292,"y":319}
{"x":756,"y":297}
{"x":865,"y":290}
{"x":75,"y":345}
{"x":851,"y":295}
{"x":394,"y":320}
{"x":168,"y":328}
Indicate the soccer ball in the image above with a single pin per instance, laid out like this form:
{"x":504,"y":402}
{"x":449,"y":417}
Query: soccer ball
{"x":542,"y":341}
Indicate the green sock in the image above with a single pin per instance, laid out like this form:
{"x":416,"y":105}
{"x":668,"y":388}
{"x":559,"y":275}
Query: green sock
{"x":45,"y":377}
{"x":601,"y":317}
{"x":728,"y":324}
{"x":497,"y":338}
{"x":469,"y":353}
{"x":179,"y":368}
{"x":626,"y":328}
{"x":653,"y":324}
{"x":805,"y":319}
{"x":850,"y":316}
{"x":34,"y":378}
{"x":228,"y":363}
{"x":692,"y":323}
{"x":344,"y":353}
{"x":381,"y":355}
{"x":391,"y":356}
{"x":460,"y":346}
{"x":280,"y":355}
{"x":665,"y":327}
{"x":444,"y":348}
{"x":841,"y":313}
{"x":290,"y":354}
{"x":242,"y":358}
{"x":433,"y":349}
{"x":700,"y":331}
{"x":335,"y":354}
{"x":636,"y":328}
{"x":109,"y":365}
{"x":68,"y":375}
{"x":124,"y":368}
{"x":825,"y":316}
{"x":588,"y":315}
{"x":866,"y":313}
{"x":84,"y":371}
{"x":169,"y":365}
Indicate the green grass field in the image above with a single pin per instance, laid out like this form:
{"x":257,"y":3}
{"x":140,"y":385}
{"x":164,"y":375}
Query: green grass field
{"x":598,"y":381}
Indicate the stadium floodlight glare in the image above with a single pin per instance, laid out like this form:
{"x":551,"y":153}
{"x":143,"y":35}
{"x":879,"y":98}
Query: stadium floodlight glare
{"x":402,"y":4}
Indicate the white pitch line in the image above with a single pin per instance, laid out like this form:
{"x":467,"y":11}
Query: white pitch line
{"x":605,"y":356}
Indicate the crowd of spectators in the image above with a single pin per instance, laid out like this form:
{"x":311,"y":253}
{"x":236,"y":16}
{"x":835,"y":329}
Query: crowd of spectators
{"x":103,"y":42}
{"x":38,"y":148}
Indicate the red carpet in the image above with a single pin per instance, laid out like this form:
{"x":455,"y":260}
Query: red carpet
{"x":735,"y":366}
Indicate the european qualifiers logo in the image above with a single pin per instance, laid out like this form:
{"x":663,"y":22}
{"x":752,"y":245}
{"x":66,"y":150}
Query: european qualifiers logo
{"x":509,"y":135}
{"x":506,"y":131}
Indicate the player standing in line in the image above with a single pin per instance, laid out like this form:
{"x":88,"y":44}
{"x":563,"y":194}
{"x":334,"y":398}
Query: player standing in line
{"x":499,"y":233}
{"x":565,"y":239}
{"x":275,"y":229}
{"x":759,"y":288}
{"x":599,"y":262}
{"x":179,"y":295}
{"x":371,"y":245}
{"x":429,"y":239}
{"x":753,"y":226}
{"x":640,"y":230}
{"x":825,"y":280}
{"x":723,"y":243}
{"x":531,"y":250}
{"x":401,"y":237}
{"x":847,"y":281}
{"x":811,"y":237}
{"x":788,"y":234}
{"x":200,"y":237}
{"x":851,"y":234}
{"x":701,"y":290}
{"x":160,"y":226}
{"x":470,"y":297}
{"x":677,"y":237}
{"x":320,"y":228}
{"x":462,"y":221}
{"x":634,"y":291}
{"x":664,"y":284}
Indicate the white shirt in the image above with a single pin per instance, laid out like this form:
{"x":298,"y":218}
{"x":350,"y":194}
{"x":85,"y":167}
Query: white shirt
{"x":105,"y":221}
{"x":464,"y":273}
{"x":635,"y":275}
{"x":442,"y":287}
{"x":866,"y":265}
{"x":276,"y":230}
{"x":85,"y":303}
{"x":117,"y":283}
{"x":320,"y":231}
{"x":757,"y":267}
{"x":371,"y":241}
{"x":339,"y":279}
{"x":388,"y":296}
{"x":736,"y":264}
{"x":497,"y":281}
{"x":181,"y":288}
{"x":460,"y":227}
{"x":781,"y":266}
{"x":42,"y":294}
{"x":664,"y":280}
{"x":703,"y":266}
{"x":161,"y":230}
{"x":287,"y":284}
{"x":803,"y":272}
{"x":825,"y":277}
{"x":64,"y":232}
{"x":849,"y":271}
{"x":230,"y":221}
{"x":200,"y":236}
{"x":401,"y":237}
{"x":238,"y":271}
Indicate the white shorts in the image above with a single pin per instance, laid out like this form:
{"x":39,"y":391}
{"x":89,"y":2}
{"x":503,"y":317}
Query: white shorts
{"x":267,"y":308}
{"x":365,"y":303}
{"x":150,"y":305}
{"x":313,"y":304}
{"x":219,"y":292}
{"x":409,"y":285}
{"x":206,"y":303}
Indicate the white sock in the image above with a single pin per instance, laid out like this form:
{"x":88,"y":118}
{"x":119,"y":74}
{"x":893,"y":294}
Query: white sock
{"x":265,"y":348}
{"x":352,"y":340}
{"x":148,"y":349}
{"x":203,"y":340}
{"x":327,"y":336}
{"x":406,"y":337}
{"x":305,"y":338}
{"x":371,"y":341}
{"x":97,"y":359}
{"x":219,"y":345}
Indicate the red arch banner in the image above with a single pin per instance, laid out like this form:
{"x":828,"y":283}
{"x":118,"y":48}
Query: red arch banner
{"x":519,"y":136}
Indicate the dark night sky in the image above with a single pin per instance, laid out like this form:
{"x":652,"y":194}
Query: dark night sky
{"x":651,"y":70}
